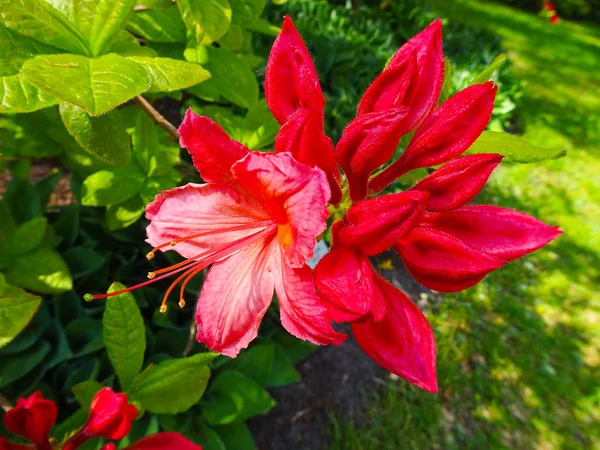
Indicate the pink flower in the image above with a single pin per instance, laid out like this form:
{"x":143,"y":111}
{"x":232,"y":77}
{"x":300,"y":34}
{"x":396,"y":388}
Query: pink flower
{"x":159,"y":441}
{"x":255,"y":220}
{"x":32,"y":418}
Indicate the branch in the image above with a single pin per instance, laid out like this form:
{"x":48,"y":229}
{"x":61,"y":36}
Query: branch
{"x":156,"y":116}
{"x":5,"y":404}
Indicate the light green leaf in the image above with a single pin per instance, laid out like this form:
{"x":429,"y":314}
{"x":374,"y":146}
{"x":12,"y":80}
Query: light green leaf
{"x":514,"y":148}
{"x":16,"y":49}
{"x":85,"y":392}
{"x":244,"y":12}
{"x":105,"y":136}
{"x":155,"y":186}
{"x":447,"y":83}
{"x":28,"y":236}
{"x":174,"y":385}
{"x":489,"y":71}
{"x":17,"y":308}
{"x":260,"y":25}
{"x":235,"y":397}
{"x":153,"y":158}
{"x":124,"y":214}
{"x":40,"y":21}
{"x":42,"y":270}
{"x":159,"y":26}
{"x":234,"y":38}
{"x":260,"y":127}
{"x":17,"y":95}
{"x":94,"y":84}
{"x":124,"y":335}
{"x":236,"y":435}
{"x":168,"y":75}
{"x":111,"y":186}
{"x":207,"y":20}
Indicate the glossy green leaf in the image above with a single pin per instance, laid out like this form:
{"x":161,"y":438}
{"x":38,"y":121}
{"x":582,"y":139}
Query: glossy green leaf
{"x":83,"y":261}
{"x":84,"y":392}
{"x":206,"y":20}
{"x":168,"y":75}
{"x":174,"y":385}
{"x":260,"y":127}
{"x":17,"y":308}
{"x":16,"y":366}
{"x":234,"y":397}
{"x":94,"y":84}
{"x":514,"y":148}
{"x":260,"y":25}
{"x":28,"y":236}
{"x":16,"y":49}
{"x":105,"y":136}
{"x":124,"y":214}
{"x":244,"y":12}
{"x":267,"y":364}
{"x":17,"y":95}
{"x":42,"y":270}
{"x":159,"y":26}
{"x":111,"y":186}
{"x":85,"y":335}
{"x":155,"y":186}
{"x":232,"y":40}
{"x":124,"y":335}
{"x":237,"y":436}
{"x":487,"y":73}
{"x":40,"y":21}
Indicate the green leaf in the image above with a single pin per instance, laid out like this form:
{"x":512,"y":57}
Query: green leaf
{"x":110,"y":17}
{"x":232,"y":76}
{"x":105,"y":136}
{"x":234,"y":38}
{"x":84,"y":392}
{"x":159,"y":26}
{"x":40,"y":21}
{"x":207,"y":20}
{"x":260,"y":127}
{"x":514,"y":148}
{"x":267,"y":364}
{"x":16,"y":366}
{"x":42,"y":270}
{"x":94,"y":84}
{"x":83,"y":261}
{"x":244,"y":12}
{"x":235,"y":397}
{"x":28,"y":236}
{"x":17,"y":308}
{"x":168,"y":75}
{"x":237,"y":436}
{"x":124,"y":214}
{"x":111,"y":186}
{"x":124,"y":335}
{"x":447,"y":83}
{"x":155,"y":186}
{"x":489,"y":71}
{"x":85,"y":335}
{"x":16,"y":49}
{"x":174,"y":385}
{"x":260,"y":25}
{"x":17,"y":95}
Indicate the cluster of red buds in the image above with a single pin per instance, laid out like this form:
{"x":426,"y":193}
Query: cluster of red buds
{"x":549,"y":10}
{"x":110,"y":417}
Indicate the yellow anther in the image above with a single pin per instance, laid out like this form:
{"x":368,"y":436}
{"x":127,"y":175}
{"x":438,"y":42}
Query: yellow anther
{"x":181,"y":303}
{"x":163,"y":308}
{"x":151,"y":275}
{"x":150,"y":255}
{"x":173,"y":243}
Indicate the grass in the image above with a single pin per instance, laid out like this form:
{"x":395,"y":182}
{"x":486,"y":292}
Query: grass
{"x":518,"y":355}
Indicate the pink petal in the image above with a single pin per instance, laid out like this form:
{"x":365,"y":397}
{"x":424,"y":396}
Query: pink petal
{"x":303,"y":313}
{"x":402,"y":342}
{"x":291,"y":80}
{"x":344,"y":278}
{"x":413,"y":78}
{"x":458,"y":182}
{"x":295,"y":195}
{"x":302,"y":135}
{"x":203,"y":208}
{"x":442,"y":262}
{"x":164,"y":441}
{"x":234,"y":298}
{"x":368,"y":142}
{"x":212,"y":151}
{"x":500,"y":232}
{"x":375,"y":225}
{"x":445,"y":134}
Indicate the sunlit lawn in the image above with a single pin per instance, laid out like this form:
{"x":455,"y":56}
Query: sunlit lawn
{"x":518,"y":355}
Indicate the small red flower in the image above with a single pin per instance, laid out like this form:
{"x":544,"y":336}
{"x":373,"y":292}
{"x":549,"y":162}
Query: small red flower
{"x":110,"y":416}
{"x":32,"y":418}
{"x":5,"y":444}
{"x":159,"y":441}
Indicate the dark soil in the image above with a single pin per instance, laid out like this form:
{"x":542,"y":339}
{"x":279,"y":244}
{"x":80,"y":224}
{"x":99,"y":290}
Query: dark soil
{"x":336,"y":381}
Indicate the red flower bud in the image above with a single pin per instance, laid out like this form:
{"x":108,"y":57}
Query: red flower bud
{"x":110,"y":415}
{"x":402,"y":342}
{"x":291,"y":80}
{"x":458,"y":182}
{"x":32,"y":418}
{"x":413,"y":78}
{"x":375,"y":225}
{"x":302,"y":135}
{"x":445,"y":134}
{"x":5,"y":444}
{"x":367,"y":143}
{"x":164,"y":441}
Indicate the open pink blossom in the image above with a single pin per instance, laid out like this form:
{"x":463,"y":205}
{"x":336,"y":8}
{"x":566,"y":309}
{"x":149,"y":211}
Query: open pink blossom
{"x":256,"y":221}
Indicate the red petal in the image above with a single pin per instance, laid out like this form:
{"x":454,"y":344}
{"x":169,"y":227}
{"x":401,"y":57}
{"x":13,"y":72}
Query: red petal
{"x":368,"y":142}
{"x":291,"y":80}
{"x":32,"y":417}
{"x":413,"y":78}
{"x":501,"y":232}
{"x":442,"y":262}
{"x":458,"y":182}
{"x":344,"y":278}
{"x":375,"y":225}
{"x":445,"y":134}
{"x":402,"y":342}
{"x":164,"y":441}
{"x":212,"y":151}
{"x":302,"y":135}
